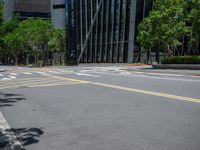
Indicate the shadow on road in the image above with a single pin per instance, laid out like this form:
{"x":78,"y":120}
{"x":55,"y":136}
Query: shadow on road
{"x":7,"y":99}
{"x":26,"y":136}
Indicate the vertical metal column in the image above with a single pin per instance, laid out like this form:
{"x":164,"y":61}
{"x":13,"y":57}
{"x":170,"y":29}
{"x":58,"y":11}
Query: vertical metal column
{"x":124,"y":32}
{"x":118,"y":28}
{"x":107,"y":27}
{"x":102,"y":32}
{"x":113,"y":8}
{"x":81,"y":14}
{"x":91,"y":40}
{"x":86,"y":28}
{"x":132,"y":31}
{"x":96,"y":38}
{"x":89,"y":31}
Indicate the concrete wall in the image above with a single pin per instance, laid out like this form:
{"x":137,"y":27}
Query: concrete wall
{"x":36,"y":6}
{"x":32,"y":5}
{"x":9,"y":9}
{"x":58,"y":13}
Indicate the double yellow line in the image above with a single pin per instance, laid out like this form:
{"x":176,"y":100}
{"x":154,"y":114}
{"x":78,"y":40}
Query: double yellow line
{"x":146,"y":92}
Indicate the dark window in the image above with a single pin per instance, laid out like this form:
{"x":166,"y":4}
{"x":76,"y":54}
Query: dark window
{"x":58,"y":6}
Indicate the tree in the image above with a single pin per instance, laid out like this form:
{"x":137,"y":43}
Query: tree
{"x":1,"y":14}
{"x":13,"y":42}
{"x":36,"y":33}
{"x":5,"y":29}
{"x":57,"y":43}
{"x":164,"y":26}
{"x":30,"y":41}
{"x":192,"y":13}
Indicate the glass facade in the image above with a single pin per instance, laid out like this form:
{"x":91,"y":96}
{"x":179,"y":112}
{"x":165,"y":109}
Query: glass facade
{"x":106,"y":29}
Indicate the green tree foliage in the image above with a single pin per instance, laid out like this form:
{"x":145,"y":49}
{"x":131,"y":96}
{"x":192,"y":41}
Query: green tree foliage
{"x":167,"y":24}
{"x":6,"y":29}
{"x":1,"y":20}
{"x":1,"y":14}
{"x":57,"y":42}
{"x":35,"y":34}
{"x":192,"y":13}
{"x":30,"y":41}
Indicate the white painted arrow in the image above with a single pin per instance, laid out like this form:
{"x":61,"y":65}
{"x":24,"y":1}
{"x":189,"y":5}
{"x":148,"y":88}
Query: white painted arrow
{"x":9,"y":78}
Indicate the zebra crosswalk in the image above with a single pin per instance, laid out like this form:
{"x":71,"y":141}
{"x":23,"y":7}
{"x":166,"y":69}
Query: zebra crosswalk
{"x":29,"y":73}
{"x":36,"y":82}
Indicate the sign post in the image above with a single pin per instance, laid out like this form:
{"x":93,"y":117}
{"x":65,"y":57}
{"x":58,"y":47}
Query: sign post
{"x":71,"y":32}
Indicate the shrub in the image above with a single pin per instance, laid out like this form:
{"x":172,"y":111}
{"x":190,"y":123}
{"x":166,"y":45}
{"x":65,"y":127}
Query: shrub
{"x":181,"y":60}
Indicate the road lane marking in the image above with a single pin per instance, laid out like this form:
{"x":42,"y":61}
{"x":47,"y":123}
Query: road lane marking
{"x":173,"y":79}
{"x":9,"y":78}
{"x":56,"y":72}
{"x":27,"y":73}
{"x":56,"y":84}
{"x":37,"y":82}
{"x":124,"y":73}
{"x":39,"y":85}
{"x":164,"y":74}
{"x":71,"y":79}
{"x":85,"y":74}
{"x":1,"y":75}
{"x":146,"y":92}
{"x":42,"y":73}
{"x":146,"y":76}
{"x":14,"y":74}
{"x":41,"y":81}
{"x":6,"y":131}
{"x":149,"y":92}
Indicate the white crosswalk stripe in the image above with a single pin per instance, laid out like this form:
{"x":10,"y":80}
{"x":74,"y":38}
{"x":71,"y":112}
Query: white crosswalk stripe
{"x":35,"y":82}
{"x":1,"y":75}
{"x":39,"y":72}
{"x":14,"y":74}
{"x":27,"y":73}
{"x":56,"y":72}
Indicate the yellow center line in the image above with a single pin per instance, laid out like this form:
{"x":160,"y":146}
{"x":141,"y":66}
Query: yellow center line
{"x":146,"y":92}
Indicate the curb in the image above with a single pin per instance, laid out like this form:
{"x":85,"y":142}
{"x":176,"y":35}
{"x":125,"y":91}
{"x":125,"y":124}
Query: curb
{"x":139,"y":65}
{"x":177,"y":66}
{"x":2,"y":70}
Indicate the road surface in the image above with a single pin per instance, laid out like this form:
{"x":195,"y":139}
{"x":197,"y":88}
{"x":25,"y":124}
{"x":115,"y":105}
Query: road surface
{"x":99,"y":108}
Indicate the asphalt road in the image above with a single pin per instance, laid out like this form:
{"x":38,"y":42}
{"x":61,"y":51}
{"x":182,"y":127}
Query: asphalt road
{"x":99,"y":108}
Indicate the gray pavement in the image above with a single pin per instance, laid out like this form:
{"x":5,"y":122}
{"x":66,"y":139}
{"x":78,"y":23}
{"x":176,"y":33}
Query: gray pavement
{"x":92,"y":107}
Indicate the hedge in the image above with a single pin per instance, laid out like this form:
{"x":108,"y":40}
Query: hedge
{"x":181,"y":60}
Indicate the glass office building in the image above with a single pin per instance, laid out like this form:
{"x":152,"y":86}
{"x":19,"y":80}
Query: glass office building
{"x":24,"y":9}
{"x":104,"y":31}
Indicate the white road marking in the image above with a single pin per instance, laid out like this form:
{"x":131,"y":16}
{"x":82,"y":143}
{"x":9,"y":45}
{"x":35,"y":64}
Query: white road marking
{"x":89,"y":75}
{"x":43,"y":73}
{"x":12,"y":139}
{"x":9,"y":78}
{"x":125,"y":72}
{"x":138,"y":72}
{"x":54,"y":72}
{"x":165,"y":78}
{"x":146,"y":76}
{"x":67,"y":71}
{"x":27,"y":73}
{"x":1,"y":75}
{"x":14,"y":74}
{"x":164,"y":74}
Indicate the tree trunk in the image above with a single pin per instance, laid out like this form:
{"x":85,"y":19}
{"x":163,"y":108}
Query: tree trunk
{"x":16,"y":60}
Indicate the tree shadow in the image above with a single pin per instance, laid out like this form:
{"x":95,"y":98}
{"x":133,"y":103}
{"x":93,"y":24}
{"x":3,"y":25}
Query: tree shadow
{"x":18,"y":139}
{"x":8,"y":99}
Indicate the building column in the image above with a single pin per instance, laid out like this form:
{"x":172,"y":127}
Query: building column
{"x":131,"y":44}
